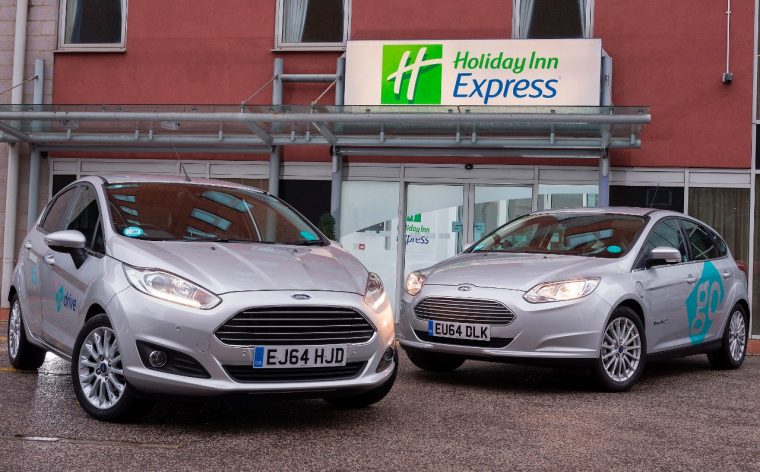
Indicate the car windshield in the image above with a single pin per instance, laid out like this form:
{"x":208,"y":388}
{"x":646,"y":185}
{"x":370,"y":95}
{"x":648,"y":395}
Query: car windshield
{"x":578,"y":234}
{"x":199,"y":212}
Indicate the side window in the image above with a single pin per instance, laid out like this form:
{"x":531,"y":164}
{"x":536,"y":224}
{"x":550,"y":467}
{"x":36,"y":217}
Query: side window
{"x":702,"y":244}
{"x":92,"y":24}
{"x":720,"y":244}
{"x":84,"y":214}
{"x":667,"y":233}
{"x":98,"y":244}
{"x":58,"y":211}
{"x":546,"y":19}
{"x":304,"y":23}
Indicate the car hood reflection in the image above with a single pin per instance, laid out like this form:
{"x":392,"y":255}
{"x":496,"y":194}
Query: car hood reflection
{"x":237,"y":267}
{"x":516,"y":271}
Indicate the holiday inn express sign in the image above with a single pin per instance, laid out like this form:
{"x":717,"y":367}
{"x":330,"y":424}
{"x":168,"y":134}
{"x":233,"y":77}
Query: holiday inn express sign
{"x":483,"y":72}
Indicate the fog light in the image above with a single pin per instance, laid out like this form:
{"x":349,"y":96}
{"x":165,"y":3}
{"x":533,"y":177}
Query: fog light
{"x":157,"y":359}
{"x":388,"y":356}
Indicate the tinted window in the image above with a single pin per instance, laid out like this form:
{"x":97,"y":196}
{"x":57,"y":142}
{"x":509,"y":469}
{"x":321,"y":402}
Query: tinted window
{"x":720,"y":245}
{"x":576,"y":234}
{"x":58,"y":211}
{"x":85,"y":214}
{"x":666,"y":233}
{"x":702,"y":245}
{"x":179,"y":211}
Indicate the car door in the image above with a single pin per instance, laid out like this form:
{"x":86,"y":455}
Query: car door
{"x":65,"y":281}
{"x":33,"y":251}
{"x":664,"y":287}
{"x":706,"y":304}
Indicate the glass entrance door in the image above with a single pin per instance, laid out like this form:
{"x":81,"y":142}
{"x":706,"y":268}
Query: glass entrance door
{"x":495,"y":205}
{"x":435,"y":228}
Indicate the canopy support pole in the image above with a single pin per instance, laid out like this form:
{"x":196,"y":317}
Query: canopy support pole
{"x":336,"y":190}
{"x":34,"y":162}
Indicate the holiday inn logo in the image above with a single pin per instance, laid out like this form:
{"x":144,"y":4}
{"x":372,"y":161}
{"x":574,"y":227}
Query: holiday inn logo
{"x":412,"y":74}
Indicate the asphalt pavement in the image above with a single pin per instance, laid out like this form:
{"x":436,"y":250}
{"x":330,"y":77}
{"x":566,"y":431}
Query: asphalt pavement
{"x":682,"y":416}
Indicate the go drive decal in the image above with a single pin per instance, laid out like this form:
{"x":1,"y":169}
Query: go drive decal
{"x":703,"y":302}
{"x":64,"y":299}
{"x":489,"y":72}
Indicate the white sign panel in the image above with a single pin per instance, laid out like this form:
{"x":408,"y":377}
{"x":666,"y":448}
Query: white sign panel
{"x":486,"y":72}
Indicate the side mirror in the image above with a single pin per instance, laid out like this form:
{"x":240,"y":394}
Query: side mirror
{"x":65,"y":241}
{"x":71,"y":242}
{"x":662,"y":255}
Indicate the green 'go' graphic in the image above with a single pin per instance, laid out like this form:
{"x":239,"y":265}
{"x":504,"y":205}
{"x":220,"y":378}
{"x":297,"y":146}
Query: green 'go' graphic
{"x":412,"y":74}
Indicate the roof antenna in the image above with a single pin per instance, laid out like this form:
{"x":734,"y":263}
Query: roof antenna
{"x":173,"y":126}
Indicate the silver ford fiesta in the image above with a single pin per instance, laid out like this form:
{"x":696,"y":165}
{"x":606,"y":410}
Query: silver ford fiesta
{"x":607,"y":288}
{"x":159,"y":285}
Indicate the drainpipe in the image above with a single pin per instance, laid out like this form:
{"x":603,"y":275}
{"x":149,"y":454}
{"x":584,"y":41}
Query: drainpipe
{"x":11,"y":192}
{"x":337,"y":158}
{"x":34,"y":163}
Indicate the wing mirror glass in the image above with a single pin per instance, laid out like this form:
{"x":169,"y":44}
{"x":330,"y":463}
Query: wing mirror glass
{"x":663,"y":255}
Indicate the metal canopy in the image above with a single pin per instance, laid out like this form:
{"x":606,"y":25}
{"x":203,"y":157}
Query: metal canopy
{"x":505,"y":131}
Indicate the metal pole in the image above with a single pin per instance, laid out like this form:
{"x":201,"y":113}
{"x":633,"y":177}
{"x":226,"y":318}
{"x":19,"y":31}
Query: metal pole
{"x":274,"y":155}
{"x":34,"y":162}
{"x":11,"y":192}
{"x":337,"y":158}
{"x":604,"y":159}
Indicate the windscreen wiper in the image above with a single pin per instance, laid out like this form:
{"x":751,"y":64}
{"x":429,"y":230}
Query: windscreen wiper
{"x":306,"y":242}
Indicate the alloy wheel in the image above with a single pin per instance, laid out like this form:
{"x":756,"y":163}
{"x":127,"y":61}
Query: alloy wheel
{"x":737,"y":335}
{"x":621,"y":349}
{"x":14,"y":330}
{"x":101,"y":374}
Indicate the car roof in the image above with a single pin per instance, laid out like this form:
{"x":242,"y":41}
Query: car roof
{"x":632,"y":211}
{"x":160,"y":178}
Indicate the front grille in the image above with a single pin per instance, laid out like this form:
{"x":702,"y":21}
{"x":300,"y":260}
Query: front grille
{"x":246,"y":373}
{"x":494,"y":342}
{"x":464,"y":310}
{"x":273,"y":326}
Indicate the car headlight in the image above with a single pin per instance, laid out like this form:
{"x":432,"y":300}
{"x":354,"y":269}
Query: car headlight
{"x":414,"y":283}
{"x":561,"y":291}
{"x":170,"y":288}
{"x":374,"y":294}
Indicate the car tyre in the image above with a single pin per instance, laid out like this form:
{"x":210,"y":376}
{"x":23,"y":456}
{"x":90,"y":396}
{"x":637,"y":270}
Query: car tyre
{"x":733,"y":348}
{"x":98,"y":375}
{"x":622,"y":353}
{"x":22,"y":354}
{"x":365,"y":399}
{"x":434,"y":362}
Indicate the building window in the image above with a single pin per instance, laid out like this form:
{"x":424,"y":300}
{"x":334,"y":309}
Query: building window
{"x":546,"y":19}
{"x":567,"y":196}
{"x":93,"y":24}
{"x":663,"y":198}
{"x":312,"y":24}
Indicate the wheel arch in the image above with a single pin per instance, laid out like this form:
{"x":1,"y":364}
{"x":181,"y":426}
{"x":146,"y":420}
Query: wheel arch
{"x":637,"y":308}
{"x":93,"y":310}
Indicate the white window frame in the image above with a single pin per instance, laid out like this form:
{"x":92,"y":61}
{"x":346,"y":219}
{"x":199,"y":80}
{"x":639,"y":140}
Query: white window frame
{"x":587,"y":18}
{"x":280,"y":45}
{"x":92,"y":47}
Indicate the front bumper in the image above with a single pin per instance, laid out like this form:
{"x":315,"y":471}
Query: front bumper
{"x":139,"y":317}
{"x":539,"y":332}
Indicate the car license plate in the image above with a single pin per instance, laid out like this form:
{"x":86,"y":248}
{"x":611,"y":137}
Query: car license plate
{"x":448,"y":329}
{"x":279,"y":357}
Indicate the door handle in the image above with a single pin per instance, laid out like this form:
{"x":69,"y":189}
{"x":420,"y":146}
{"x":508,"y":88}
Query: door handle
{"x":691,"y":279}
{"x":50,"y":260}
{"x":28,"y":244}
{"x":726,"y":275}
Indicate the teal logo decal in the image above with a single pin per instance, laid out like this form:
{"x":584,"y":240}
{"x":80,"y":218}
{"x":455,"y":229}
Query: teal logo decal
{"x":133,"y":231}
{"x":35,"y":277}
{"x":59,"y":298}
{"x":308,"y":235}
{"x":64,"y":299}
{"x":614,"y":249}
{"x":703,"y":302}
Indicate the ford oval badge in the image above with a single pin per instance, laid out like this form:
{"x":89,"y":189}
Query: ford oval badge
{"x":464,"y":288}
{"x":301,"y":296}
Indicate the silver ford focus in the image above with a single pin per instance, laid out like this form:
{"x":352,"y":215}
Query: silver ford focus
{"x":159,"y":285}
{"x":605,"y":288}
